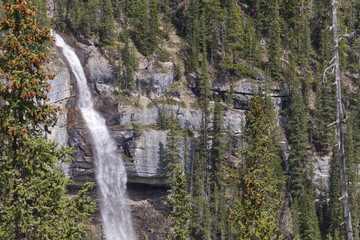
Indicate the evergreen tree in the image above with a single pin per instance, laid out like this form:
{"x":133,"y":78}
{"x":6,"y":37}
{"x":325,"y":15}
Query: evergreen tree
{"x":275,"y":42}
{"x":290,"y":12}
{"x":352,"y":164}
{"x":108,"y":24}
{"x":154,"y":24}
{"x":252,"y":48}
{"x":180,"y":203}
{"x":90,"y":18}
{"x":215,"y":22}
{"x":263,"y":15}
{"x":299,"y":171}
{"x":179,"y":199}
{"x":202,"y":215}
{"x":167,"y":19}
{"x":305,"y":219}
{"x":193,"y":37}
{"x":128,"y":63}
{"x":218,"y":165}
{"x":300,"y":175}
{"x":76,"y":13}
{"x":42,"y":12}
{"x":143,"y":34}
{"x":304,"y":46}
{"x":34,"y":203}
{"x":257,"y":210}
{"x":336,"y":229}
{"x":234,"y":40}
{"x":172,"y":152}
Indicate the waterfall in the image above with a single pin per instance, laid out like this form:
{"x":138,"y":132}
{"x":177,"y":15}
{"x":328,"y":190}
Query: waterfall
{"x":110,"y":170}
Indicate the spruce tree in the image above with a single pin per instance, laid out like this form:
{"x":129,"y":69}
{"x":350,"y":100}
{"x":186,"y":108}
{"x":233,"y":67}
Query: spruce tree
{"x":42,"y":12}
{"x":172,"y":152}
{"x":257,"y":210}
{"x":34,"y":203}
{"x":179,"y":198}
{"x":299,"y":170}
{"x":193,"y":37}
{"x":202,"y":214}
{"x":336,"y":230}
{"x":108,"y":24}
{"x":180,"y":203}
{"x":252,"y":48}
{"x":218,"y":165}
{"x":128,"y":63}
{"x":143,"y":34}
{"x":300,"y":174}
{"x":234,"y":41}
{"x":154,"y":24}
{"x":167,"y":19}
{"x":91,"y":18}
{"x":275,"y":42}
{"x":352,"y":174}
{"x":304,"y":46}
{"x":305,"y":219}
{"x":76,"y":14}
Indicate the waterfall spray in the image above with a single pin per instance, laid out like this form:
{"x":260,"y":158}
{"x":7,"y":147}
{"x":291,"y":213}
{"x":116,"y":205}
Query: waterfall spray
{"x":110,"y":174}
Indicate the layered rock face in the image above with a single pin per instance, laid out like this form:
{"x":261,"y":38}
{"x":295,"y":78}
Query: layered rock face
{"x":134,"y":124}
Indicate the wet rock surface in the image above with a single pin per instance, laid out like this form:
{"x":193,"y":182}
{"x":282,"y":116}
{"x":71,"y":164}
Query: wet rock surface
{"x":143,"y":153}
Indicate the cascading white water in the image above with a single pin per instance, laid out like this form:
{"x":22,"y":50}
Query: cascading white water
{"x":111,"y":175}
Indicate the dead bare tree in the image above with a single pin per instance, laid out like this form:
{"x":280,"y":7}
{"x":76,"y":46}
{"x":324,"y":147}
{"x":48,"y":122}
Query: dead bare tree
{"x":339,"y":127}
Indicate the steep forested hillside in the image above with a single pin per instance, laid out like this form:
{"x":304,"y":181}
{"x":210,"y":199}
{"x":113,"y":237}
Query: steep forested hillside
{"x":276,"y":178}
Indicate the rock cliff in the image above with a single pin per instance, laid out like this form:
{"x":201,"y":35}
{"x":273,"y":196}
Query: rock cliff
{"x":134,"y":123}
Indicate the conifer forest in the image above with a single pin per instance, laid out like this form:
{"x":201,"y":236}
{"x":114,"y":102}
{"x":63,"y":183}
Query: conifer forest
{"x":180,"y":119}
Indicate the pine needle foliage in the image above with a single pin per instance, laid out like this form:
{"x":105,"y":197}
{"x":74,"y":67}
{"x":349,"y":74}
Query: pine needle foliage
{"x":34,"y":203}
{"x":256,"y":212}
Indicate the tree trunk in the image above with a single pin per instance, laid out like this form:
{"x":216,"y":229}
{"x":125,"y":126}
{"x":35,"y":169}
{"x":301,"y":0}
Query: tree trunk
{"x":340,"y":132}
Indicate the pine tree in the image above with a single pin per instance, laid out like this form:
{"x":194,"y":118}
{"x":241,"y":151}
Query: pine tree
{"x":76,"y":14}
{"x":44,"y":21}
{"x":299,"y":156}
{"x":290,"y":12}
{"x":91,"y":18}
{"x":143,"y":36}
{"x":300,"y":174}
{"x":179,"y":198}
{"x":352,"y":174}
{"x":204,"y":102}
{"x":180,"y":203}
{"x":218,"y":165}
{"x":257,"y":210}
{"x":154,"y":24}
{"x":217,"y":147}
{"x":202,"y":214}
{"x":306,"y":222}
{"x":215,"y":22}
{"x":324,"y":102}
{"x":167,"y":19}
{"x":336,"y":229}
{"x":172,"y":152}
{"x":304,"y":46}
{"x":275,"y":42}
{"x":193,"y":37}
{"x":252,"y":48}
{"x":34,"y":203}
{"x":107,"y":28}
{"x":128,"y":63}
{"x":263,"y":15}
{"x":234,"y":40}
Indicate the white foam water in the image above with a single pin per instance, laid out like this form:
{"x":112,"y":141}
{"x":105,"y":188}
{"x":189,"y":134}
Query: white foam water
{"x":110,"y":174}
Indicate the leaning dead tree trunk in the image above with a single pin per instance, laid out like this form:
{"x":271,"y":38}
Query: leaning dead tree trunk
{"x":339,"y":126}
